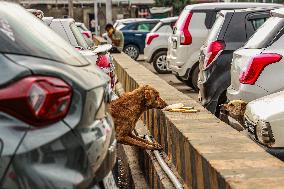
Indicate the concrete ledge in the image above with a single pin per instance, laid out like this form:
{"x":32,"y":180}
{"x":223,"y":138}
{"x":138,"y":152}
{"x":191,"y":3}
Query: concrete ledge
{"x":206,"y":152}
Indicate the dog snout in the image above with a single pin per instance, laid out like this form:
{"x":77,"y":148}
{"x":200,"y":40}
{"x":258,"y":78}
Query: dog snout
{"x":224,"y":109}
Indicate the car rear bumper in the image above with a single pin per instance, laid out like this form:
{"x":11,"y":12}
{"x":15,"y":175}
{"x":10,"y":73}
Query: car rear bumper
{"x":246,"y":93}
{"x":148,"y":52}
{"x":72,"y":161}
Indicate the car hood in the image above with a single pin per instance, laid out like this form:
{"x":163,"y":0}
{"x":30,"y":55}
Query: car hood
{"x":268,"y":108}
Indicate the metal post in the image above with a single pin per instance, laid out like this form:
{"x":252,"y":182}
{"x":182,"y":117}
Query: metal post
{"x":96,"y":17}
{"x":108,"y":11}
{"x":70,"y":9}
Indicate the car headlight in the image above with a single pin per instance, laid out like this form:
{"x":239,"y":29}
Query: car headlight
{"x":264,"y":133}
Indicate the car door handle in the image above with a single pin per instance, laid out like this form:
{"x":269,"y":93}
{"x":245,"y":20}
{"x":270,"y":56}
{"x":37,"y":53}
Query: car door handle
{"x":138,"y":34}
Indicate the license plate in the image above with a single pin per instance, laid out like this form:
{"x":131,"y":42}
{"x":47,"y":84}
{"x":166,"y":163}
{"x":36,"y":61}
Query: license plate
{"x":109,"y":182}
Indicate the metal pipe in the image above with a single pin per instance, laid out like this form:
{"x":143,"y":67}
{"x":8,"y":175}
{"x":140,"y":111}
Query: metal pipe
{"x":165,"y":167}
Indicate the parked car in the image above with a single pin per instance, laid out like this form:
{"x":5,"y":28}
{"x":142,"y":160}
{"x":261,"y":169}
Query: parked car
{"x":119,"y":24}
{"x":264,"y":120}
{"x":257,"y":68}
{"x":134,"y":36}
{"x":231,"y":31}
{"x":55,"y":131}
{"x":84,"y":30}
{"x":191,"y":31}
{"x":67,"y":29}
{"x":157,"y":44}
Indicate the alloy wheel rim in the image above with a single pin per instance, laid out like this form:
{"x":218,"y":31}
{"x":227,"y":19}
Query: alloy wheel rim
{"x":131,"y":51}
{"x":161,"y":62}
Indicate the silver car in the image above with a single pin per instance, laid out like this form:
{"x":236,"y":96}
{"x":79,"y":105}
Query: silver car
{"x":264,"y":120}
{"x":257,"y":68}
{"x":157,"y":44}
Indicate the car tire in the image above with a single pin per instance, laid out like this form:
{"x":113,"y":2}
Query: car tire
{"x":160,"y":62}
{"x":132,"y":51}
{"x":194,"y":78}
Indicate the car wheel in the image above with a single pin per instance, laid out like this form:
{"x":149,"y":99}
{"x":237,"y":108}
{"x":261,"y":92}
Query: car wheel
{"x":160,"y":62}
{"x":132,"y":51}
{"x":194,"y":78}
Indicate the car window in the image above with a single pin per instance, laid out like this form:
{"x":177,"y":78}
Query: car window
{"x":236,"y":30}
{"x":265,"y":34}
{"x":30,"y":36}
{"x":156,"y":28}
{"x":78,"y":36}
{"x":256,"y":23}
{"x":213,"y":35}
{"x":145,"y":27}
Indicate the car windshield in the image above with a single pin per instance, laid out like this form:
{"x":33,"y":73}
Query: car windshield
{"x":216,"y":28}
{"x":30,"y":36}
{"x":265,"y":34}
{"x":181,"y":19}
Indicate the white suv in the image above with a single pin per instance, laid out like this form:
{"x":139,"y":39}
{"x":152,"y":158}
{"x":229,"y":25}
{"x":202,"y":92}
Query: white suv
{"x":257,"y":68}
{"x":156,"y":44}
{"x":189,"y":34}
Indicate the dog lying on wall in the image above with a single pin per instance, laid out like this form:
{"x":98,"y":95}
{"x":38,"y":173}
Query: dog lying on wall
{"x":235,"y":109}
{"x":126,"y":111}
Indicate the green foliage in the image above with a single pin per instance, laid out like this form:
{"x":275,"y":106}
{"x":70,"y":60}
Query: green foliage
{"x":177,"y":5}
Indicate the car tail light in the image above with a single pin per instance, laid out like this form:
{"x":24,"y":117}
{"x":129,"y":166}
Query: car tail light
{"x":213,"y":50}
{"x":150,"y":37}
{"x":104,"y":63}
{"x":256,"y":66}
{"x":87,"y":34}
{"x":37,"y":100}
{"x":185,"y":37}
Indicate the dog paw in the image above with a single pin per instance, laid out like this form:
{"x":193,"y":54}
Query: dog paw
{"x":157,"y":146}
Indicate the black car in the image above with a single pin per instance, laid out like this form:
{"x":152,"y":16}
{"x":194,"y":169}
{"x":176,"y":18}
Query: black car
{"x":55,"y":131}
{"x":230,"y":32}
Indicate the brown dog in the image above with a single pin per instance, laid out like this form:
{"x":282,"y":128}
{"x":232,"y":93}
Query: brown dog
{"x":235,"y":109}
{"x":126,"y":111}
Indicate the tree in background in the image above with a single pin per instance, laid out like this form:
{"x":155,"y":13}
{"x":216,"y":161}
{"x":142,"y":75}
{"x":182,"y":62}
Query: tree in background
{"x":177,"y":5}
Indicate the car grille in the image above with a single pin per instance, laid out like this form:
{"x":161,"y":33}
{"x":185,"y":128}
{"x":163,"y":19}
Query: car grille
{"x":250,"y":126}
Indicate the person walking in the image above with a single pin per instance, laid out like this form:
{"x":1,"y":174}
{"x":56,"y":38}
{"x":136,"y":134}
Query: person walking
{"x":116,"y":38}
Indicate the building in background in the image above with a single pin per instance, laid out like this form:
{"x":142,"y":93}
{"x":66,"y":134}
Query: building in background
{"x":83,"y":10}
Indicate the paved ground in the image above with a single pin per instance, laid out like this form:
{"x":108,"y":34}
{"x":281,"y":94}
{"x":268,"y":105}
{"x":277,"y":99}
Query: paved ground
{"x":172,"y":80}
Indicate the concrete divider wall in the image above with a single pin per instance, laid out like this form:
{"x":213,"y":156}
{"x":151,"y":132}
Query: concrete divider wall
{"x":206,"y":152}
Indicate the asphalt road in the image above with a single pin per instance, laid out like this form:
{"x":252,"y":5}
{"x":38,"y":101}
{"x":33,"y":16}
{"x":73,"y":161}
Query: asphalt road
{"x":172,"y":80}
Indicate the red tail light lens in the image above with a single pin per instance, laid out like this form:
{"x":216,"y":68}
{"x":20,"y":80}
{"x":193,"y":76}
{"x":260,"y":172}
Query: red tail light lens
{"x":213,"y":50}
{"x":256,"y":66}
{"x":185,"y":38}
{"x":36,"y":100}
{"x":104,"y":63}
{"x":151,"y":37}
